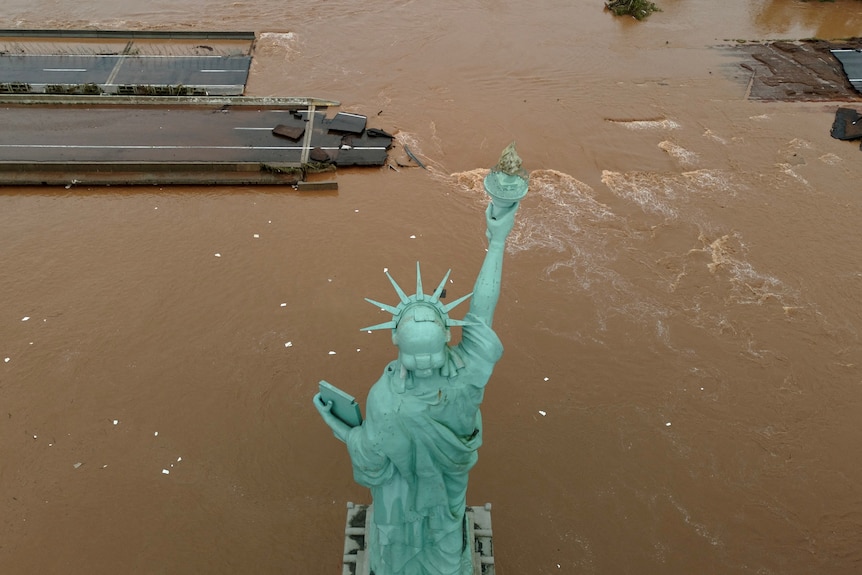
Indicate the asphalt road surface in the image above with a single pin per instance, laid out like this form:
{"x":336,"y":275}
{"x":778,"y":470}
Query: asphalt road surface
{"x":215,"y":75}
{"x":159,"y":134}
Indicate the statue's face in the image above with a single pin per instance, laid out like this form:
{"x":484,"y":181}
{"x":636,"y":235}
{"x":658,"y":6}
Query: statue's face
{"x":421,"y":339}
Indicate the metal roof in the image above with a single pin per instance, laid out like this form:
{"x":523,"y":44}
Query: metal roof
{"x":852,"y":62}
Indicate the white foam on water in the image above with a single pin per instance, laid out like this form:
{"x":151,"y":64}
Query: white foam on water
{"x":685,"y":158}
{"x":669,"y":194}
{"x":831,"y":159}
{"x":562,"y":215}
{"x":790,"y":171}
{"x":715,"y":137}
{"x":592,"y":246}
{"x":748,"y":285}
{"x":272,"y":44}
{"x":648,"y":124}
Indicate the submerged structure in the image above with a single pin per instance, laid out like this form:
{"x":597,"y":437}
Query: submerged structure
{"x":130,"y":107}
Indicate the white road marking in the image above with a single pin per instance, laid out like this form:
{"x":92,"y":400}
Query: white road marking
{"x":64,"y":69}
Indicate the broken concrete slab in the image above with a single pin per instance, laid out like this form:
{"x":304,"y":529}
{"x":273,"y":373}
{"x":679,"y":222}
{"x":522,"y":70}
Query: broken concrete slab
{"x":847,"y":125}
{"x":346,"y":122}
{"x":290,"y":132}
{"x":806,"y":70}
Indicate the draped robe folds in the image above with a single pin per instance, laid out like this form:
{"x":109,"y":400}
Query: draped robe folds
{"x":414,"y":451}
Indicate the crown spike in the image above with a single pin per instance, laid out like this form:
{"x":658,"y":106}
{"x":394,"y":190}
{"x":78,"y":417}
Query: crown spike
{"x":436,"y":297}
{"x":449,"y":307}
{"x":419,"y":295}
{"x":383,"y":306}
{"x":384,"y":325}
{"x":459,"y":322}
{"x":401,"y":295}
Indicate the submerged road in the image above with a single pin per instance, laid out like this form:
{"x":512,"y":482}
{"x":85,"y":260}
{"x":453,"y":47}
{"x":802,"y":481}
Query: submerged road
{"x":121,"y":73}
{"x":128,"y":134}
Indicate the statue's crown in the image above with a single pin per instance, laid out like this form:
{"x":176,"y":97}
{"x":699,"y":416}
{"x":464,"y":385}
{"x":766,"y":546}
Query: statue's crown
{"x":419,"y":298}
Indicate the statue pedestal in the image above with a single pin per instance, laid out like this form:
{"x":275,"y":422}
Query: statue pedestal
{"x":478,"y":533}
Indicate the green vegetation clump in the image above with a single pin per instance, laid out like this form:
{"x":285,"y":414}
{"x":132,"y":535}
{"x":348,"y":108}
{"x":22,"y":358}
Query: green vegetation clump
{"x":639,"y":9}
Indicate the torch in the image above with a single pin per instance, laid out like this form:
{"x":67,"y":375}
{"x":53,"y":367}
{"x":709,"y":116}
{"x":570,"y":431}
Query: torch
{"x":507,"y":182}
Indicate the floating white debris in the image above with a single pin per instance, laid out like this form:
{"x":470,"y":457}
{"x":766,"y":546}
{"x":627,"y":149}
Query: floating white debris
{"x":77,"y":465}
{"x":329,"y":280}
{"x":269,"y":221}
{"x":218,"y":255}
{"x":547,"y":378}
{"x":166,"y":471}
{"x":543,"y":414}
{"x":179,"y":458}
{"x":116,"y":421}
{"x":357,"y":349}
{"x":412,"y":237}
{"x":331,"y":353}
{"x":283,"y":304}
{"x":256,"y":236}
{"x":385,"y":270}
{"x":288,"y":344}
{"x":356,"y":211}
{"x":35,"y":437}
{"x":7,"y":360}
{"x":667,"y":424}
{"x":156,"y":434}
{"x":25,"y":318}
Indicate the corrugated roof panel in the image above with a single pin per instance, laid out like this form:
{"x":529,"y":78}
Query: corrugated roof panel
{"x":852,"y":62}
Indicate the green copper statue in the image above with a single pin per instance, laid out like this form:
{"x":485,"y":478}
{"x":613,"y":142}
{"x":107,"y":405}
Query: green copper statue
{"x":423,"y":426}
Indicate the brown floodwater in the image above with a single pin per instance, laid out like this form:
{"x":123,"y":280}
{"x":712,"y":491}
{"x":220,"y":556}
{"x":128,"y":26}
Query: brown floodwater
{"x":681,"y":389}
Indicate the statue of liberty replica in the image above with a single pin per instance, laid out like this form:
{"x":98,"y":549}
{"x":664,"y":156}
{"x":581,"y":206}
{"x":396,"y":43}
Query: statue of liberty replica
{"x":422,"y":428}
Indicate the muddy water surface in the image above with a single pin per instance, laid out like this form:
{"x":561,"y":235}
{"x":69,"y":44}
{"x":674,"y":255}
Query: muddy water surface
{"x":680,"y":391}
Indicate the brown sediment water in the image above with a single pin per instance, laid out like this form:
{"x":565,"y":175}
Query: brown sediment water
{"x":680,"y":391}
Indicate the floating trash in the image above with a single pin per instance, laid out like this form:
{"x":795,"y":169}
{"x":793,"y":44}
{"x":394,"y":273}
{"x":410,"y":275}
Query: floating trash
{"x":25,"y":318}
{"x":77,"y":465}
{"x":218,"y":255}
{"x":116,"y":421}
{"x":166,"y":471}
{"x":542,"y":413}
{"x":288,"y":344}
{"x":331,"y":353}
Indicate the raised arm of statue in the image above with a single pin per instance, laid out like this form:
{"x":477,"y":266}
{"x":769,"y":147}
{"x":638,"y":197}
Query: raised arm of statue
{"x":486,"y":292}
{"x":507,"y":184}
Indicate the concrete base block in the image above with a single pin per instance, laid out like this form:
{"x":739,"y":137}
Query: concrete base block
{"x":479,"y":532}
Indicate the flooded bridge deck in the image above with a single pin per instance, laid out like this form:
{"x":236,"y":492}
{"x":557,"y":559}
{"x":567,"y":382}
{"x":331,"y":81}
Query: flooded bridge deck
{"x":114,"y":107}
